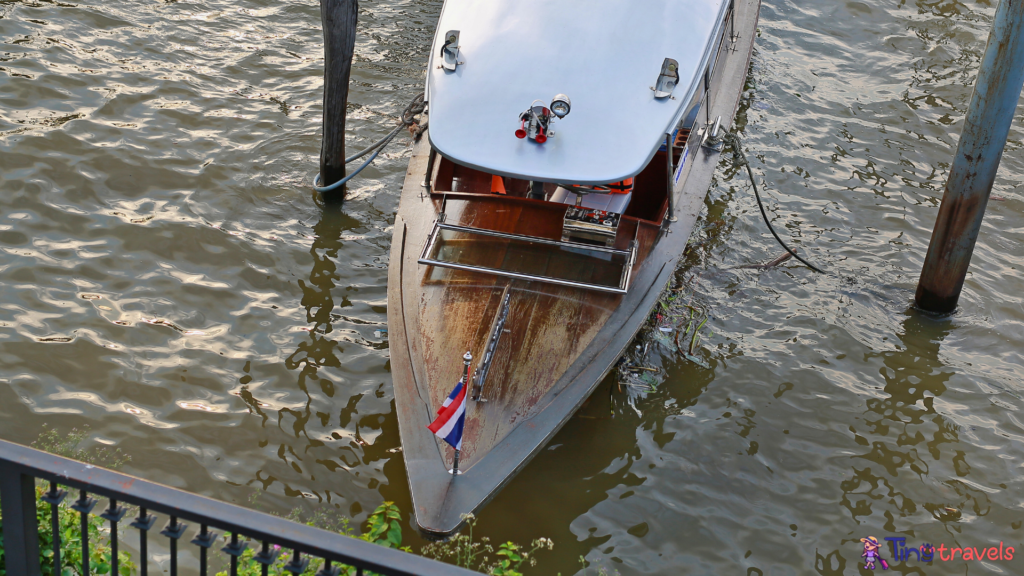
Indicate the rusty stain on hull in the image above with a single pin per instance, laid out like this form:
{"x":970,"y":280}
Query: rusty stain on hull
{"x":548,"y":327}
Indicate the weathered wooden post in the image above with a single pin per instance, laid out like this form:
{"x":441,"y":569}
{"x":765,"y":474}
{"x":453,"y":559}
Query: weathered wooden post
{"x":339,"y":22}
{"x":977,"y":158}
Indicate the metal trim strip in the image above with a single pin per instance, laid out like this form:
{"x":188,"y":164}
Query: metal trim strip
{"x":428,"y":247}
{"x":527,"y":277}
{"x":510,"y":236}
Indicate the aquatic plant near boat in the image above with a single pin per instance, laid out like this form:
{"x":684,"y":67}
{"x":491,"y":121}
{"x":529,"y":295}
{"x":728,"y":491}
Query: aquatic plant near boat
{"x":511,"y":557}
{"x":600,"y":572}
{"x":678,"y":323}
{"x":463,"y":550}
{"x":66,"y":445}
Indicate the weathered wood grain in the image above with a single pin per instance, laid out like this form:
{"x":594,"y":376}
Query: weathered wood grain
{"x":339,"y":24}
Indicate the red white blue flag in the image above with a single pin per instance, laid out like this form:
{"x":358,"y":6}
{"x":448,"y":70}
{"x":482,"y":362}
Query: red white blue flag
{"x":451,"y":418}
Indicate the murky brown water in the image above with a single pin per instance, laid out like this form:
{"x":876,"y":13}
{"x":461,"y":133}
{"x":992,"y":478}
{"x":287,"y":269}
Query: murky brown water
{"x":168,"y":280}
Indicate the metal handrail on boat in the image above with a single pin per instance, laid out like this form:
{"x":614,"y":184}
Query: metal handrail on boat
{"x":439,"y":225}
{"x":492,"y":346}
{"x":537,"y":239}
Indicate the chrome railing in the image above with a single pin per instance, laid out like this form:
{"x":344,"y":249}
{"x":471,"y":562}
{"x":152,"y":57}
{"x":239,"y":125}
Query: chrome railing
{"x":492,"y":346}
{"x":628,"y":256}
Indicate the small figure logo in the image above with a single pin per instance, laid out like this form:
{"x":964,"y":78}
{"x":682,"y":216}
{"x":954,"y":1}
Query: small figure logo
{"x":870,"y":554}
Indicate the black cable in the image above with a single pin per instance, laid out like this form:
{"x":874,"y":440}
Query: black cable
{"x":417,"y":106}
{"x":740,"y":159}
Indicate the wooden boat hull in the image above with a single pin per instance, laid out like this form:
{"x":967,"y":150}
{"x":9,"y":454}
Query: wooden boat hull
{"x":559,"y":341}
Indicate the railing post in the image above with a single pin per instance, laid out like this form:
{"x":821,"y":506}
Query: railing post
{"x":21,"y":530}
{"x":986,"y":127}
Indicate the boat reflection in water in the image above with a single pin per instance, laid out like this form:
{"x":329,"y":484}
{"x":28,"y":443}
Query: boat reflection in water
{"x":537,"y":232}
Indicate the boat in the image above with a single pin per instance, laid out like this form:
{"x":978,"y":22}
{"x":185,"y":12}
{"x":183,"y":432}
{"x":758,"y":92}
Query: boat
{"x":569,"y":150}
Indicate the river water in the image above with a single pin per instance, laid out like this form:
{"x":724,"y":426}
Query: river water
{"x":169,"y":280}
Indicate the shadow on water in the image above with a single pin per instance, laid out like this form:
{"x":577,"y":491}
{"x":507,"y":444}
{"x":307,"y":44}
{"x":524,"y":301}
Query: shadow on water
{"x":318,"y":298}
{"x":593,"y":458}
{"x":336,"y":438}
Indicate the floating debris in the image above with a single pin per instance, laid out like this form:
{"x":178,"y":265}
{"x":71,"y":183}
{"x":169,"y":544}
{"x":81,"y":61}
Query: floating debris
{"x":698,"y":361}
{"x":678,"y":324}
{"x":173,"y":326}
{"x":698,"y":318}
{"x":195,"y":406}
{"x":785,"y":256}
{"x":55,"y":339}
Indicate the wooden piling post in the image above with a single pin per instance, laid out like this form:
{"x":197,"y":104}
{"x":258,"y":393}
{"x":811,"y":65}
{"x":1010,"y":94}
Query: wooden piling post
{"x":986,"y":128}
{"x":339,"y":22}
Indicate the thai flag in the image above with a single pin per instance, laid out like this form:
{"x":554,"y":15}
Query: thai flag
{"x":451,"y":418}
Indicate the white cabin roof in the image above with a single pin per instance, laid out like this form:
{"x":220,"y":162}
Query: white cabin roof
{"x":606,"y":55}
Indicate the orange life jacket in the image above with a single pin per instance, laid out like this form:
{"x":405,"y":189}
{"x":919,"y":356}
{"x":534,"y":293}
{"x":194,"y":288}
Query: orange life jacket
{"x":624,"y":187}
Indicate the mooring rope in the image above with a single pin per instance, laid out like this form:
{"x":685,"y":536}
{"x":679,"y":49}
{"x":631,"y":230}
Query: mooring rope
{"x":740,"y":159}
{"x":417,"y":106}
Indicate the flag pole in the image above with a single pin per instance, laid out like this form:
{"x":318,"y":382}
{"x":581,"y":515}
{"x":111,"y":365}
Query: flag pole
{"x":467,"y":359}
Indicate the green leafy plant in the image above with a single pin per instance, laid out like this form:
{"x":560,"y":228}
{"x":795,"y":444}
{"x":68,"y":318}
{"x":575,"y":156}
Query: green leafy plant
{"x":384,"y":527}
{"x":70,"y":531}
{"x":463,"y":550}
{"x":69,"y":521}
{"x":67,"y":445}
{"x":600,"y":572}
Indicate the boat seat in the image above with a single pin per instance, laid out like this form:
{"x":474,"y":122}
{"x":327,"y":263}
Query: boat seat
{"x":616,"y":203}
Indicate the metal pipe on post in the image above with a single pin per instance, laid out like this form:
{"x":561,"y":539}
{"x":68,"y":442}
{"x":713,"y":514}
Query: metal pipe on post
{"x":21,"y":530}
{"x":670,"y":152}
{"x":977,"y":159}
{"x":467,"y":359}
{"x":339,"y":23}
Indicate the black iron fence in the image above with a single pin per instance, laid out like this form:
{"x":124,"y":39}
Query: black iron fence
{"x":22,"y":467}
